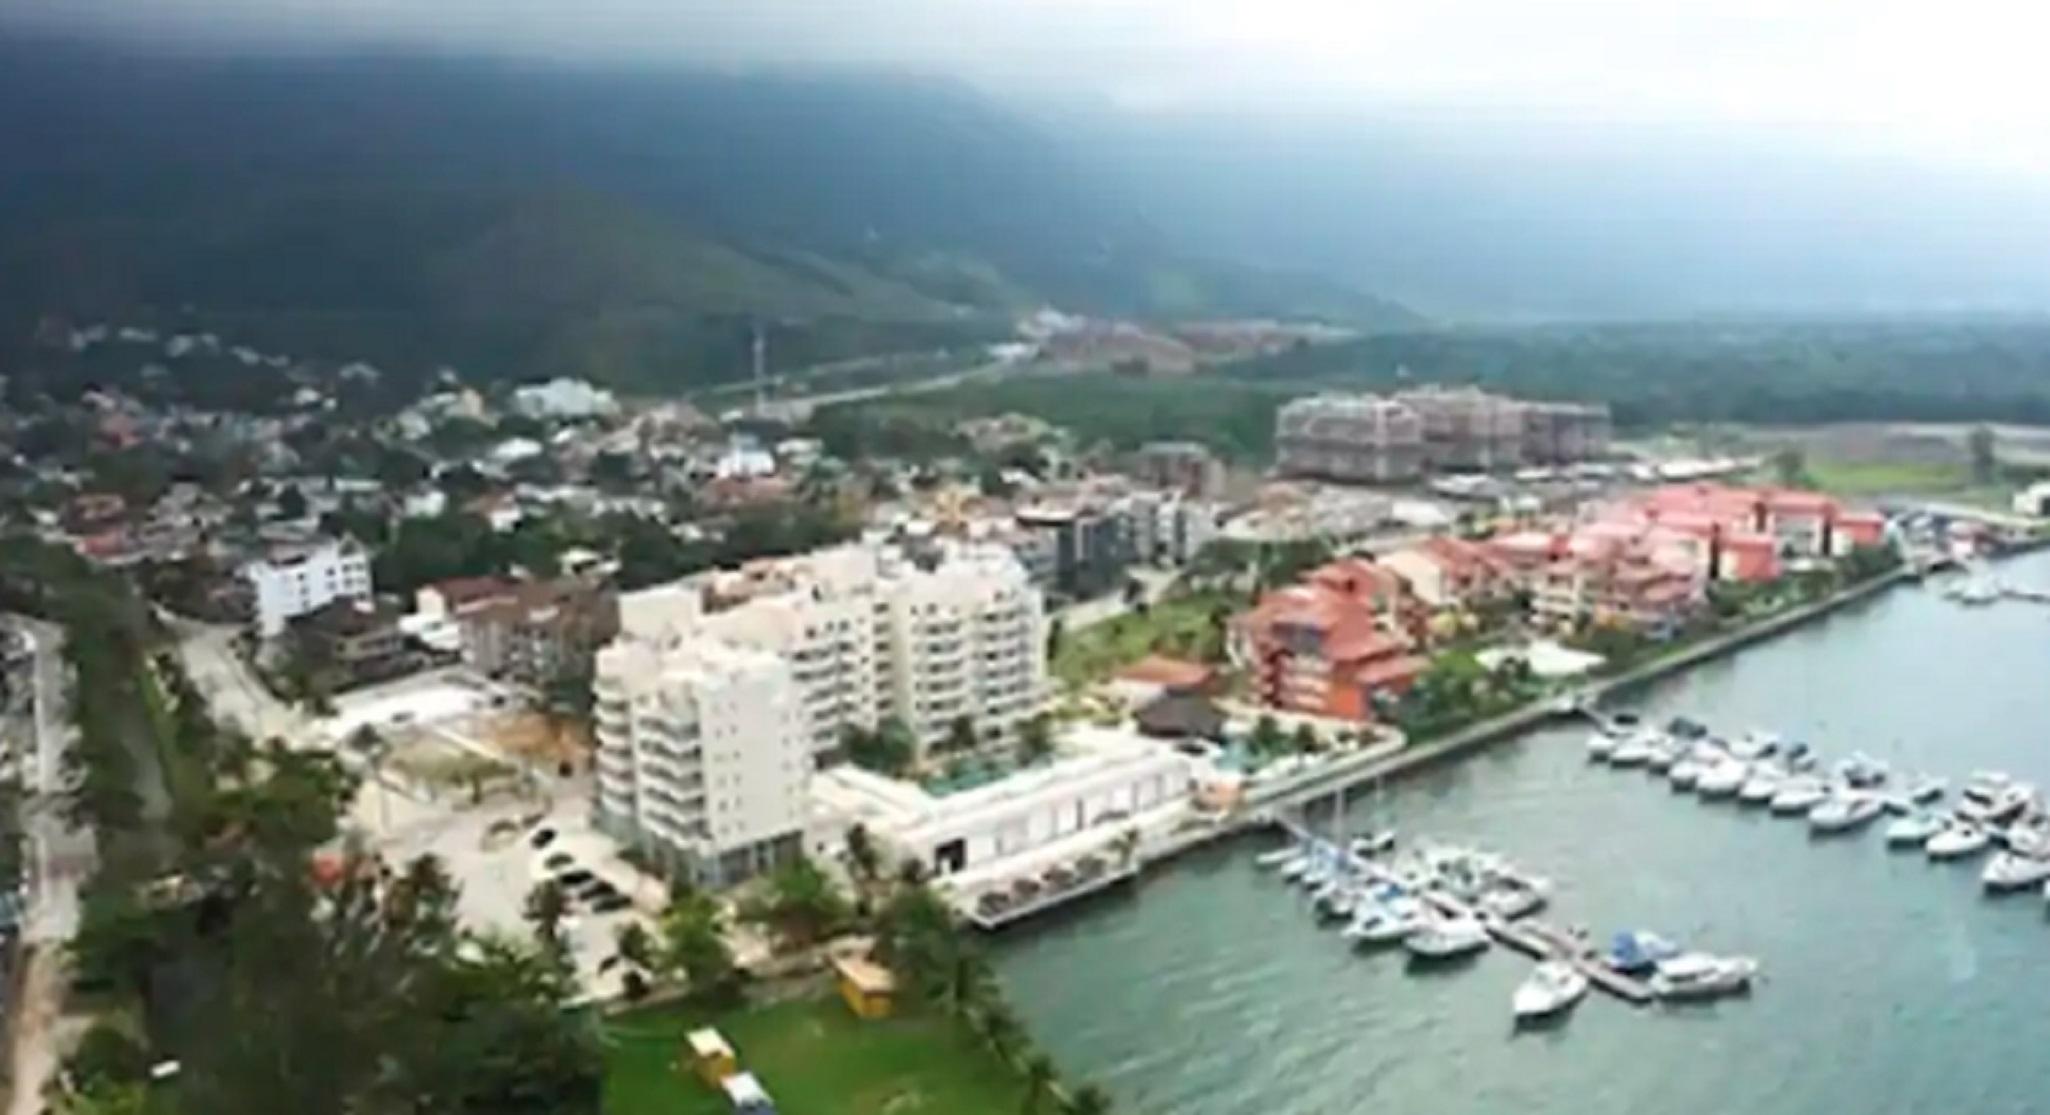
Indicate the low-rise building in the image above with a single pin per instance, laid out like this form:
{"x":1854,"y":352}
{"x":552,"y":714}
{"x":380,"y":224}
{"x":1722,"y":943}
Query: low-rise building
{"x":1187,"y":467}
{"x":1447,"y":572}
{"x":563,"y":398}
{"x":1336,"y":645}
{"x":294,"y":581}
{"x":703,"y":756}
{"x":355,"y":638}
{"x":535,"y":631}
{"x":1091,"y":541}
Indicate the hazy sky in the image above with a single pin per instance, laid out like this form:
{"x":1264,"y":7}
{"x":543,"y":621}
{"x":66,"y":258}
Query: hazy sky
{"x":1962,"y":78}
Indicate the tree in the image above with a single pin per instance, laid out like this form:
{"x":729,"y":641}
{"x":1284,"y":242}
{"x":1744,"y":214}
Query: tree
{"x":802,"y":905}
{"x":1035,"y":739}
{"x":1305,"y":739}
{"x":546,"y":907}
{"x":1040,"y":1076}
{"x":1089,"y":1099}
{"x":291,"y":503}
{"x":960,"y":735}
{"x":1790,"y":466}
{"x":1985,"y":461}
{"x":694,"y":947}
{"x":863,"y":861}
{"x":890,"y":749}
{"x":1266,"y":738}
{"x":1001,"y":1028}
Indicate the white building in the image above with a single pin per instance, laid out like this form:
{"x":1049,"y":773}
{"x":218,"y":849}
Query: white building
{"x":296,"y":582}
{"x":1168,"y":528}
{"x":870,"y":634}
{"x":564,"y":398}
{"x":1113,"y":783}
{"x":703,"y":757}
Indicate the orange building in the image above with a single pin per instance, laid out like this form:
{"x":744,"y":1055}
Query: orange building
{"x":1333,"y":645}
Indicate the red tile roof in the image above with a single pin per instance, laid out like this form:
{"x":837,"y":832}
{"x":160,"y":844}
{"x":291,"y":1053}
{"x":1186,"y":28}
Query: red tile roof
{"x":1170,"y":673}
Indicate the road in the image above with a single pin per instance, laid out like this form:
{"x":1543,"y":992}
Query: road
{"x":60,"y":857}
{"x":208,"y":654}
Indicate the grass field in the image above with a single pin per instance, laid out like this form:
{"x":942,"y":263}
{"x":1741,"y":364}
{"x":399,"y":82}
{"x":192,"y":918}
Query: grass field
{"x":815,"y":1058}
{"x":1873,"y":479}
{"x":1177,"y":625}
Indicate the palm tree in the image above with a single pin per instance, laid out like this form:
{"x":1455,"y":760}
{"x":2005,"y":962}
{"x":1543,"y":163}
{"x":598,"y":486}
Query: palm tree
{"x":862,"y":859}
{"x":1039,"y":1080}
{"x":1000,"y":1027}
{"x":547,"y":905}
{"x":967,"y":988}
{"x":1089,"y":1100}
{"x":632,"y":944}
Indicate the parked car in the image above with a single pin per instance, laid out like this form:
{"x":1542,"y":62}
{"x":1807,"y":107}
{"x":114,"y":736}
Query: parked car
{"x":541,"y":837}
{"x":556,"y":861}
{"x":574,"y":878}
{"x":610,"y":904}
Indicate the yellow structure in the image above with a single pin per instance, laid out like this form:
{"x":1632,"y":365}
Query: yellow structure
{"x":869,"y":988}
{"x":709,"y":1056}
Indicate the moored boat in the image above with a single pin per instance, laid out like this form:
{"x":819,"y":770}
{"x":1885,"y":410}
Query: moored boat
{"x":1601,"y":745}
{"x":1685,"y":774}
{"x":1638,"y":951}
{"x":1552,"y":988}
{"x":2014,"y":870}
{"x":1843,"y":812}
{"x":1913,"y":830}
{"x":1760,"y":788}
{"x":1958,"y":839}
{"x":1799,"y":795}
{"x":1384,"y":921}
{"x":1445,"y":937}
{"x":1697,"y":975}
{"x":1722,"y":780}
{"x":1861,"y":771}
{"x":1754,"y":745}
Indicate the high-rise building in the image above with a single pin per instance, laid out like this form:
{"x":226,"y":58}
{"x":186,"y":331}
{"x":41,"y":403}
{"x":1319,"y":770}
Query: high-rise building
{"x":1358,"y":438}
{"x":703,"y":756}
{"x":928,"y":636}
{"x":1467,"y":429}
{"x":1184,"y":466}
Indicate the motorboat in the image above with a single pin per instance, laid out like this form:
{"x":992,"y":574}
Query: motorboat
{"x":1634,"y":952}
{"x":1760,"y":788}
{"x":1723,"y":779}
{"x":2001,"y":805}
{"x":1278,"y":858}
{"x":1913,"y":830}
{"x":1385,"y":921}
{"x":1633,"y":751}
{"x":1681,"y":728}
{"x":1927,"y":789}
{"x":1754,"y":745}
{"x":1601,"y":745}
{"x":1958,"y":839}
{"x":1337,"y":902}
{"x":1664,"y":754}
{"x":1798,"y":756}
{"x":1296,"y":867}
{"x":1372,"y":844}
{"x":1686,"y":773}
{"x":1845,"y":811}
{"x":1861,"y":771}
{"x":1512,"y":896}
{"x":1447,"y":936}
{"x":2013,"y":871}
{"x":1551,"y":988}
{"x":1798,"y":795}
{"x":1976,"y":592}
{"x":1697,"y":975}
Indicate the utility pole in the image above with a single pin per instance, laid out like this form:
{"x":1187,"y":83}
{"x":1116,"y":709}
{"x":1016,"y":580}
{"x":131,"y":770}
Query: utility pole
{"x":761,"y":368}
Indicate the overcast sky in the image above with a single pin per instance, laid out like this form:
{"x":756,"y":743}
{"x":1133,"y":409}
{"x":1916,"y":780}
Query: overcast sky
{"x":1960,"y":79}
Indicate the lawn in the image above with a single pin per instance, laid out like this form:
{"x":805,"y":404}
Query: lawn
{"x":1181,"y":626}
{"x":815,"y":1058}
{"x":1871,"y":479}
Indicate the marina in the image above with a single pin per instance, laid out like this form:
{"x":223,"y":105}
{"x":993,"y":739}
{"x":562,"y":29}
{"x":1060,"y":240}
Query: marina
{"x":1924,"y":989}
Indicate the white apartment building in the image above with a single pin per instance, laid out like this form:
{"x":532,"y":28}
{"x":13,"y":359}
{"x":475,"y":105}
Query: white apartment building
{"x":872,"y":632}
{"x":291,"y":584}
{"x":703,"y":758}
{"x":563,"y":398}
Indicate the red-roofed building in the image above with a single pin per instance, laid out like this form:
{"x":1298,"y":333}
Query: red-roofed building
{"x":1859,"y":528}
{"x":1445,"y":572}
{"x":1323,"y":648}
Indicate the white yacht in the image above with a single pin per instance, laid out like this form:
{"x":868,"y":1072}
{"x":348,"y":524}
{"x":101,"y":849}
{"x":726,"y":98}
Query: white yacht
{"x":1913,"y":830}
{"x":1297,"y":866}
{"x":1763,"y":785}
{"x":1385,"y":922}
{"x":1445,"y":937}
{"x":1552,"y":988}
{"x":1697,"y":975}
{"x":1723,"y":779}
{"x":1799,"y":795}
{"x":1514,"y":896}
{"x":1278,"y":858}
{"x":1372,"y":844}
{"x":1845,"y":811}
{"x":2013,"y":871}
{"x":1634,"y":751}
{"x":1958,"y":839}
{"x":1664,"y":754}
{"x":1754,"y":745}
{"x":1686,"y":773}
{"x":1996,"y":806}
{"x":1601,"y":745}
{"x":1927,"y":789}
{"x":1861,"y":771}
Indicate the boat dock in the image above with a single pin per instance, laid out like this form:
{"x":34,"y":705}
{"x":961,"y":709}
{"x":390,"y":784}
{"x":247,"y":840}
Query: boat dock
{"x":1534,"y":938}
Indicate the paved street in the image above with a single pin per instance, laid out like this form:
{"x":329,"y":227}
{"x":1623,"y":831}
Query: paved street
{"x":60,"y":856}
{"x":208,"y":654}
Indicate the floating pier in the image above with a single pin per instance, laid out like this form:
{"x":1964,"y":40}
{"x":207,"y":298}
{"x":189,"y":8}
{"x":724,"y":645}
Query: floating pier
{"x":1528,"y":935}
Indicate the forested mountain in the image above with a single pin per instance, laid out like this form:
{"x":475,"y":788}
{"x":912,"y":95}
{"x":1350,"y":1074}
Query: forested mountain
{"x":624,"y":223}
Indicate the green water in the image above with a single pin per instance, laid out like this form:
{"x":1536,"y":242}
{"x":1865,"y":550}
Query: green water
{"x":1891,"y":983}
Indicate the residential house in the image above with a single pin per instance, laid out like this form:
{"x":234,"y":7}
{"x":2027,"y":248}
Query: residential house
{"x":1333,"y":645}
{"x":356,"y":638}
{"x":1446,"y":572}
